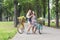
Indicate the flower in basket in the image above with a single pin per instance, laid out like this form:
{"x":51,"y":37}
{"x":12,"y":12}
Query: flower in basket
{"x":21,"y":19}
{"x":40,"y":20}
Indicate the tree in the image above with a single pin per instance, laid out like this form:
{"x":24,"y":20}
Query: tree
{"x":57,"y":16}
{"x":0,"y":10}
{"x":44,"y":10}
{"x":15,"y":12}
{"x":48,"y":14}
{"x":38,"y":7}
{"x":8,"y":9}
{"x":18,"y":11}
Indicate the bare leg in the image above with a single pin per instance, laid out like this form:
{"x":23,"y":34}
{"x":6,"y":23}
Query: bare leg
{"x":33,"y":29}
{"x":29,"y":27}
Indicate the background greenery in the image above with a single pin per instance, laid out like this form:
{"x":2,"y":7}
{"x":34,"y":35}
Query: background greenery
{"x":36,"y":5}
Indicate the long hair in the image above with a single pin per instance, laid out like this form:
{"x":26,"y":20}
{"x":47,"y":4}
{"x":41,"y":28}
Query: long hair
{"x":31,"y":12}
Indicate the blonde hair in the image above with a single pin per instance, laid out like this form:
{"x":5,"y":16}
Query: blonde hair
{"x":34,"y":13}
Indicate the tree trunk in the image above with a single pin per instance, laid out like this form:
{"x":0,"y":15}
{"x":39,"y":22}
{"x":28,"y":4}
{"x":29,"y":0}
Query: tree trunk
{"x":0,"y":10}
{"x":18,"y":12}
{"x":44,"y":10}
{"x":57,"y":16}
{"x":0,"y":16}
{"x":15,"y":12}
{"x":38,"y":11}
{"x":48,"y":14}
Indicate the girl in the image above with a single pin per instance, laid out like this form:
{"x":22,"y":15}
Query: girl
{"x":29,"y":16}
{"x":34,"y":22}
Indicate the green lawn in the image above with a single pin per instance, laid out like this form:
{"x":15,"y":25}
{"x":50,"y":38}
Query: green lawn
{"x":7,"y":30}
{"x":52,"y":24}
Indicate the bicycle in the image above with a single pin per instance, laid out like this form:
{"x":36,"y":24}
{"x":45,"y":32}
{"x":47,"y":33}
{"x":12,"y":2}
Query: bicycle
{"x":20,"y":27}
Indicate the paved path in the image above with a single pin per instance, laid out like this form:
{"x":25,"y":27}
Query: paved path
{"x":47,"y":34}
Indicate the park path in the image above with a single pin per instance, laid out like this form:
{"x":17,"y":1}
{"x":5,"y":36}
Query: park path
{"x":48,"y":33}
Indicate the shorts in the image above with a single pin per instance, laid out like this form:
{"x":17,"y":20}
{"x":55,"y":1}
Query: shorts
{"x":29,"y":20}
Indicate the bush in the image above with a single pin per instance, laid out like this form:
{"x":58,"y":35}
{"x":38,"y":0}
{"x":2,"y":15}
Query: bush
{"x":53,"y":21}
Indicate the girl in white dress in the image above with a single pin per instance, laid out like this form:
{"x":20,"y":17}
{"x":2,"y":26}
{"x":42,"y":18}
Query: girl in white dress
{"x":34,"y":22}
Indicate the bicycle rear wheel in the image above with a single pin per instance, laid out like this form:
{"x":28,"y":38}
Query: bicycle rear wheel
{"x":20,"y":29}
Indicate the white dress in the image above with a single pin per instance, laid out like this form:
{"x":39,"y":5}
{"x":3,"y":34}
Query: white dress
{"x":34,"y":21}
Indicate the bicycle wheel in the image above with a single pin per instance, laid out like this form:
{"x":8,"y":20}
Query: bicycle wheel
{"x":20,"y":29}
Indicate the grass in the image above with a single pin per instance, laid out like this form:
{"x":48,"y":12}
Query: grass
{"x":7,"y":30}
{"x":52,"y":24}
